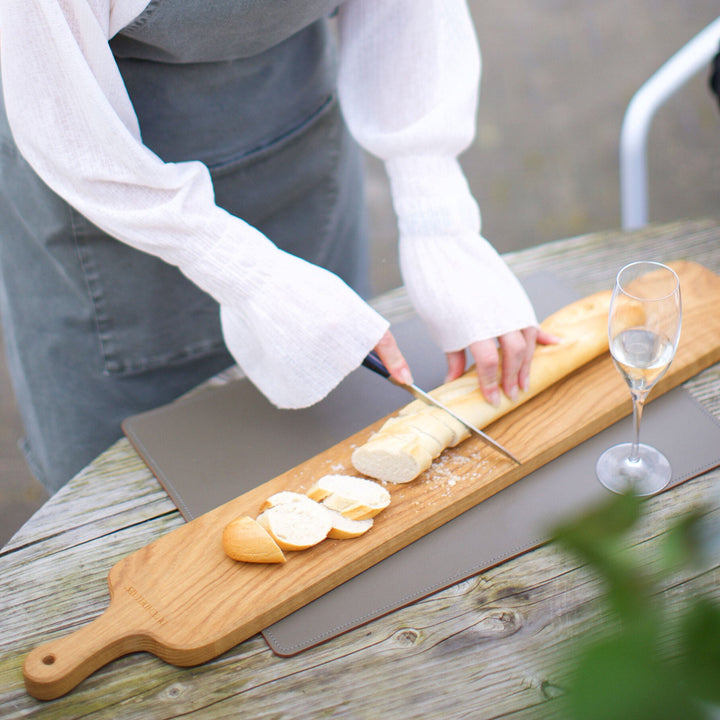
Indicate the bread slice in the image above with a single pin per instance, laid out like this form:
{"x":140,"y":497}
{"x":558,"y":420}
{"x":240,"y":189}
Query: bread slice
{"x":392,"y":457}
{"x":246,"y":540}
{"x":344,"y":528}
{"x":397,"y":453}
{"x":356,"y":498}
{"x":287,"y":496}
{"x":296,"y":525}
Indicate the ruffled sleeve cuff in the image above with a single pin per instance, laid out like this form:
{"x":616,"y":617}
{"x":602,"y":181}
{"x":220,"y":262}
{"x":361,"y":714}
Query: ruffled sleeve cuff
{"x":463,"y":289}
{"x":295,"y":329}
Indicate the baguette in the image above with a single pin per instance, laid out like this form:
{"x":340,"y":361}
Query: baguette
{"x":246,"y":540}
{"x":400,"y":450}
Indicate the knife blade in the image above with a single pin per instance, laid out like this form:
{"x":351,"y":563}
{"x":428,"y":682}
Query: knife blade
{"x":374,"y":363}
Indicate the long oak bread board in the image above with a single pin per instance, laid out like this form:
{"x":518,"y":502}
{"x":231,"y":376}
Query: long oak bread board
{"x":184,"y":600}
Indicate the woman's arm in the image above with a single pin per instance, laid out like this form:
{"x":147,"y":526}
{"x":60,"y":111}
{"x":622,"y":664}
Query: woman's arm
{"x":295,"y":329}
{"x":409,"y":77}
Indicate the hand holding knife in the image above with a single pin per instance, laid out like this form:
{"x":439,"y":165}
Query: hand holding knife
{"x":373,"y":362}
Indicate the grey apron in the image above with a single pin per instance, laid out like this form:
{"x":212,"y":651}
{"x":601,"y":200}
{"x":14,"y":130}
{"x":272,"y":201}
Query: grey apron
{"x":95,"y":330}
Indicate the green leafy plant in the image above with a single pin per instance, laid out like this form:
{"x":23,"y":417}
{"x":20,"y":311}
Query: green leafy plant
{"x":650,"y":662}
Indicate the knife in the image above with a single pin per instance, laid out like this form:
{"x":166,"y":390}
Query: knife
{"x":374,"y":363}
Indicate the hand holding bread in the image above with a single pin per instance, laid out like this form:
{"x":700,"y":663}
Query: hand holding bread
{"x":407,"y":443}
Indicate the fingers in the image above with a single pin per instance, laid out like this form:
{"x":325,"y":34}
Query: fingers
{"x":533,"y":336}
{"x":530,"y":336}
{"x":516,"y":350}
{"x":389,"y":352}
{"x":456,"y":365}
{"x":545,"y":338}
{"x":515,"y":360}
{"x":485,"y":354}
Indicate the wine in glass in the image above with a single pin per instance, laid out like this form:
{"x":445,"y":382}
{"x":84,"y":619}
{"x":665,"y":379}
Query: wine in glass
{"x":643,"y":330}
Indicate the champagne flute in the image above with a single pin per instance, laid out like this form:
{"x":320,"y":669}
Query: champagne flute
{"x":643,"y":330}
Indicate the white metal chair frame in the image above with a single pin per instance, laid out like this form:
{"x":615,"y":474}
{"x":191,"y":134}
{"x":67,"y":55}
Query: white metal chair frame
{"x":687,"y":62}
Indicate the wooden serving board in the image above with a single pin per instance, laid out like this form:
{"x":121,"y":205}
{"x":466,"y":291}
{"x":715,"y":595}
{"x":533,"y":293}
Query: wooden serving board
{"x":184,"y":600}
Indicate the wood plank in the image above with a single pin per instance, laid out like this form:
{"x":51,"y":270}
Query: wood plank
{"x":183,"y":600}
{"x":116,"y":490}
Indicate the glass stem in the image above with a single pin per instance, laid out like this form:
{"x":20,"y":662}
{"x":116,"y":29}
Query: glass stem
{"x":638,"y":405}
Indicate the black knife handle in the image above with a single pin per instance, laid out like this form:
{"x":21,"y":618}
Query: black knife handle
{"x":374,"y":363}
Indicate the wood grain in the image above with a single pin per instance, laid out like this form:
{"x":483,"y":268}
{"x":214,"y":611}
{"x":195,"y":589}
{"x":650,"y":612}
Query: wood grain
{"x":182,"y":599}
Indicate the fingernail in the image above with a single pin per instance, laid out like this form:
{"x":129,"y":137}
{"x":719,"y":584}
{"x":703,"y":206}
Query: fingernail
{"x":525,"y":383}
{"x":494,"y":398}
{"x":514,"y":392}
{"x":405,"y":376}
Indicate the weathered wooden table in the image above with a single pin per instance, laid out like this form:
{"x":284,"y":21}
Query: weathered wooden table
{"x":485,"y":648}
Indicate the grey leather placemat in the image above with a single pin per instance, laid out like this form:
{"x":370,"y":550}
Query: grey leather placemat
{"x":212,"y":447}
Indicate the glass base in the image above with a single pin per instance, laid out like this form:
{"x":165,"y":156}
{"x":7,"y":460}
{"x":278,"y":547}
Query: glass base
{"x":647,"y":475}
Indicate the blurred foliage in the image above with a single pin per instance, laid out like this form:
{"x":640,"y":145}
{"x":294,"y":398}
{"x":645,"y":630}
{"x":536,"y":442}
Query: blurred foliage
{"x":649,"y":662}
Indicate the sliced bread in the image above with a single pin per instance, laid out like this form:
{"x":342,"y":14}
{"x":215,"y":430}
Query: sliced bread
{"x":296,"y":525}
{"x":287,"y":496}
{"x":356,"y":498}
{"x":344,"y":528}
{"x":393,"y":458}
{"x":246,"y":540}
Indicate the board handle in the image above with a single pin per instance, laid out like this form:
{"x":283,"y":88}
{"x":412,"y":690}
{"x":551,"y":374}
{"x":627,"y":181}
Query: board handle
{"x":56,"y":667}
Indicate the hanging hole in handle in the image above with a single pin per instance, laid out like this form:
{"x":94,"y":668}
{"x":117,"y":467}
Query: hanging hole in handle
{"x":48,"y":660}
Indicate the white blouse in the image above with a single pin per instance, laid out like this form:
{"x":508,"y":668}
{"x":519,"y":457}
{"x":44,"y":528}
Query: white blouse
{"x":408,"y":80}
